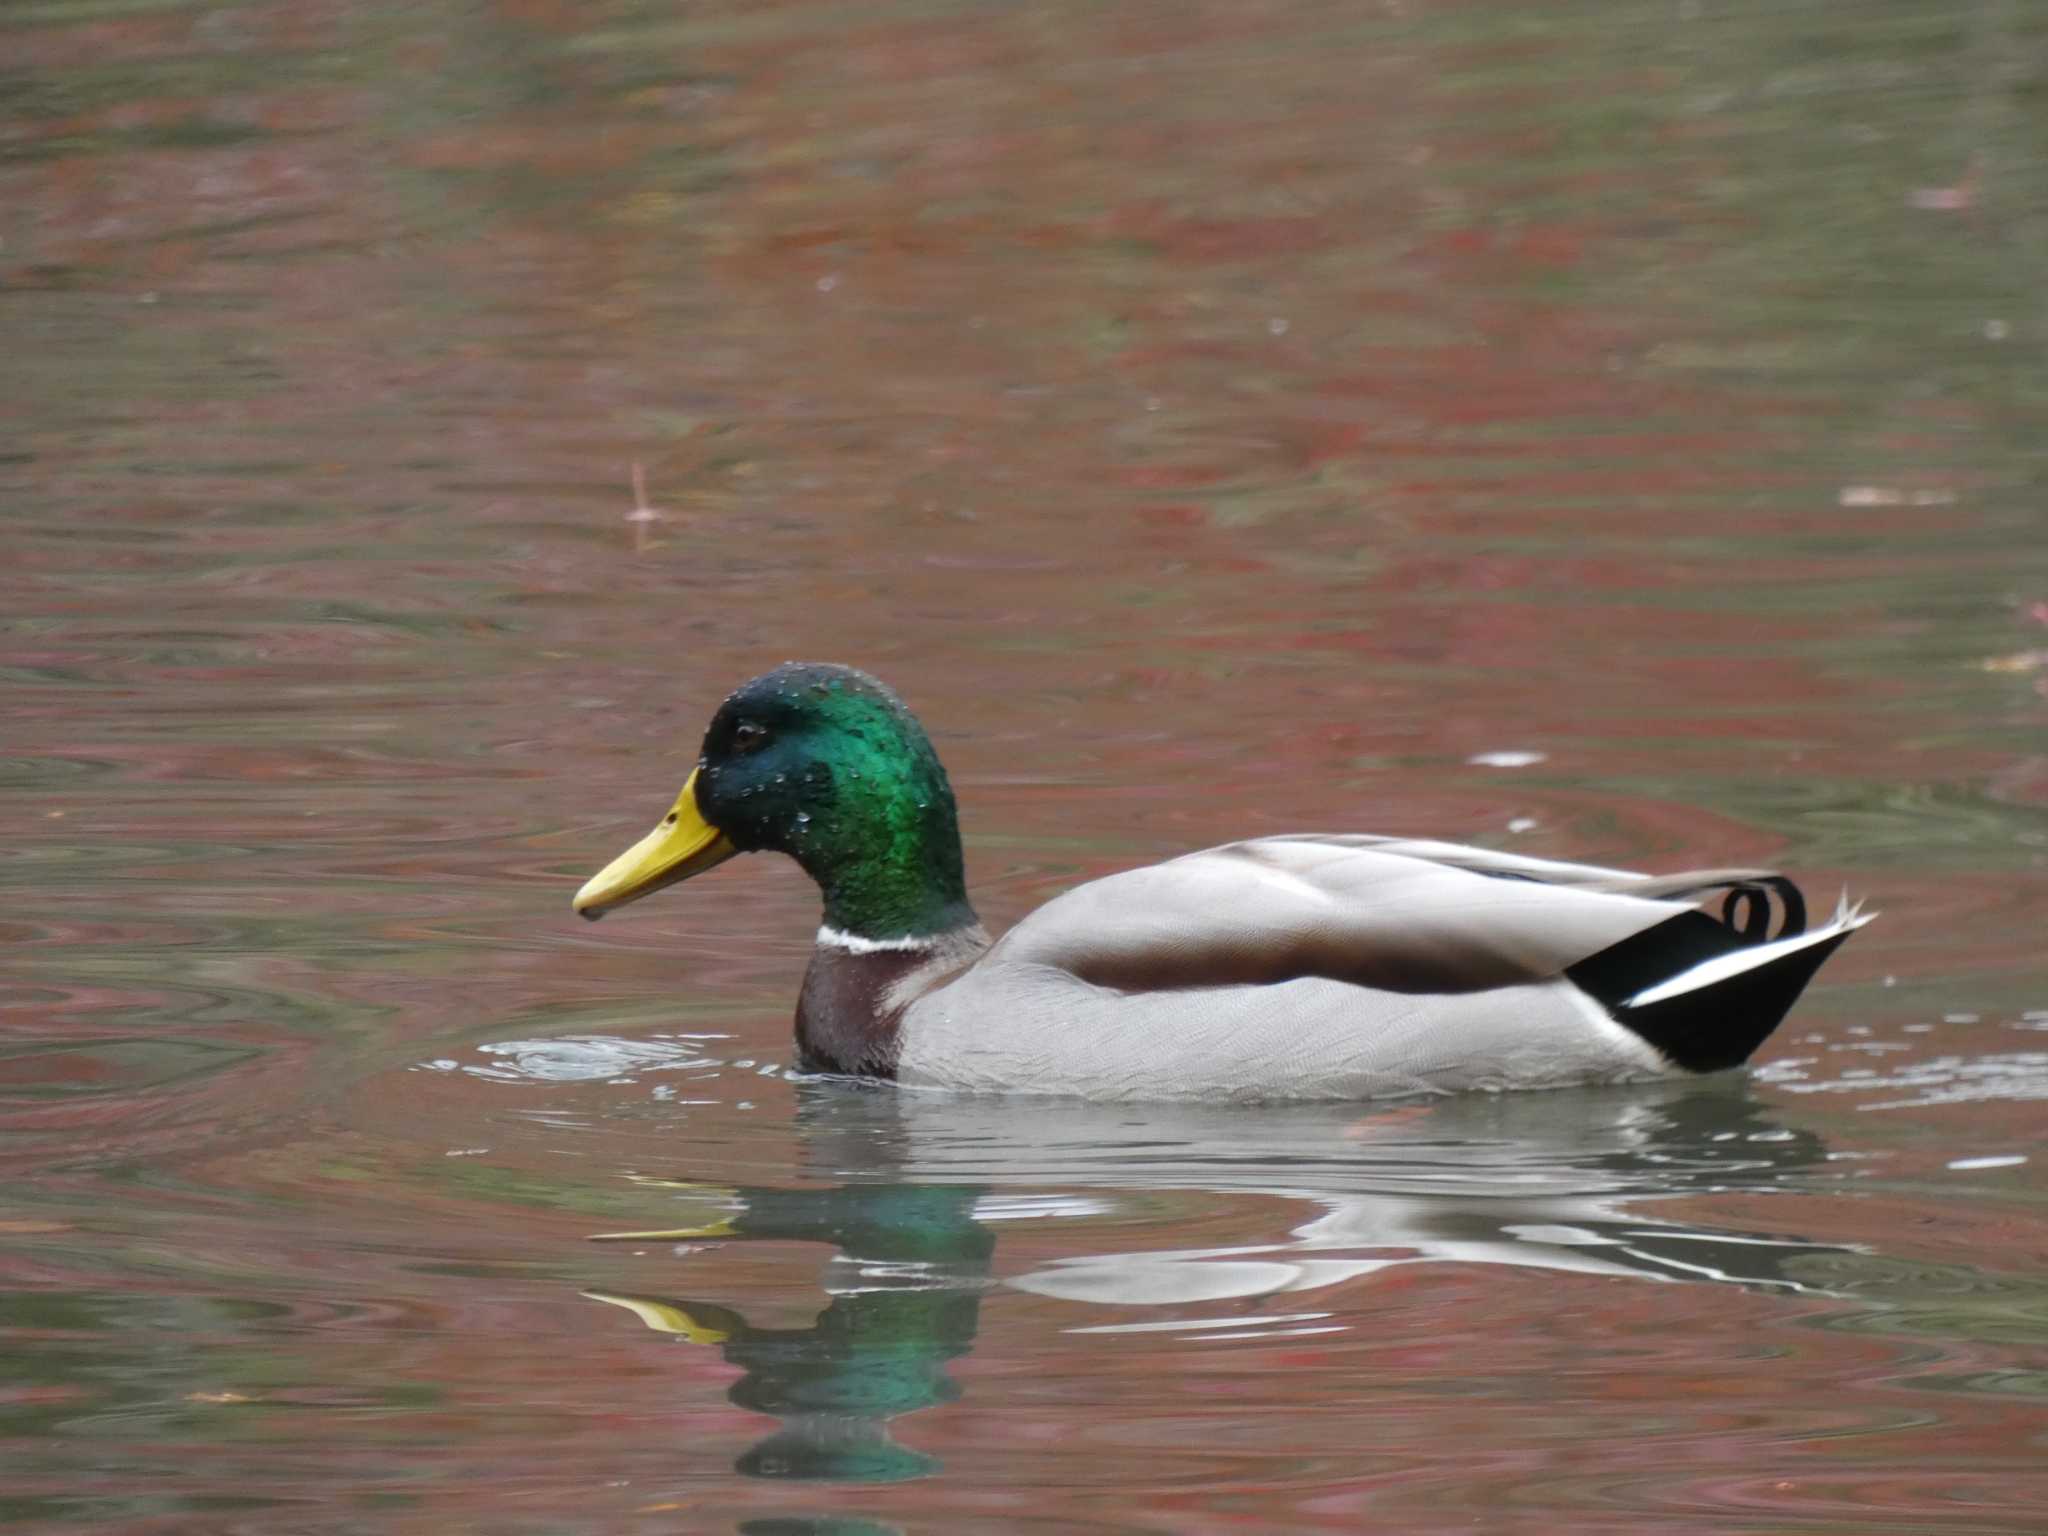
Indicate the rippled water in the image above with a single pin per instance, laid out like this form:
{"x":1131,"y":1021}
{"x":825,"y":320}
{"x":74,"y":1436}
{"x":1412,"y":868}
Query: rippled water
{"x":1608,"y":430}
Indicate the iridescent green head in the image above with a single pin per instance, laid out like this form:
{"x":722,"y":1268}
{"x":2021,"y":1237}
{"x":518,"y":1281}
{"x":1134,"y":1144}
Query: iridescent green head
{"x":825,"y":764}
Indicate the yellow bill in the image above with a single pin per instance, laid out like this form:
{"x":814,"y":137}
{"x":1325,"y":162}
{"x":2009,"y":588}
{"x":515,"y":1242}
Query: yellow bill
{"x":664,"y":1317}
{"x":685,"y":844}
{"x":721,"y":1228}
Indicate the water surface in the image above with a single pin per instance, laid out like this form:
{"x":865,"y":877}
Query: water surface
{"x":1610,"y":431}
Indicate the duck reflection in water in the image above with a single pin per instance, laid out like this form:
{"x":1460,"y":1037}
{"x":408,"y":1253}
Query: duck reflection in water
{"x":906,"y":1289}
{"x":1560,"y":1182}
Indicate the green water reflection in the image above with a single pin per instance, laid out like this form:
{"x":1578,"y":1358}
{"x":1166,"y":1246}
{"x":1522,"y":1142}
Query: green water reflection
{"x":906,"y":1282}
{"x":1569,"y":1183}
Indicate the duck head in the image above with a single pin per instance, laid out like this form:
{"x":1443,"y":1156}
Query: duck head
{"x":825,"y":764}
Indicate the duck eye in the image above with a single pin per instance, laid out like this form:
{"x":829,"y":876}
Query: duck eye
{"x":749,"y":737}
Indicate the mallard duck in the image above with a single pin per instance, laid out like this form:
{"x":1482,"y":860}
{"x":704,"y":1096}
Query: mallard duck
{"x":1314,"y":966}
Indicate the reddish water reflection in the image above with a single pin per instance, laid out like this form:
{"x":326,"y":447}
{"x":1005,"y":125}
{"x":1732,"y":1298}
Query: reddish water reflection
{"x":1215,"y":420}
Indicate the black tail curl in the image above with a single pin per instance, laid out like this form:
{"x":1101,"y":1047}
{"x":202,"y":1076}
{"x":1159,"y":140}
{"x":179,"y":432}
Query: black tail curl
{"x":1717,"y":1026}
{"x":1746,"y":909}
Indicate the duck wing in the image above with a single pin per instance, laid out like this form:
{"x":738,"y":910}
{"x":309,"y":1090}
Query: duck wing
{"x":1360,"y":967}
{"x":1389,"y":914}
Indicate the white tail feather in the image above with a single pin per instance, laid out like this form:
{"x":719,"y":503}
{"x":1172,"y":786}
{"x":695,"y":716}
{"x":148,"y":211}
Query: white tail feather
{"x":1847,"y":917}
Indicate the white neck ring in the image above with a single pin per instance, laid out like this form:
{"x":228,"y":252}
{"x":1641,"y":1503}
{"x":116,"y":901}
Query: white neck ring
{"x":854,"y":944}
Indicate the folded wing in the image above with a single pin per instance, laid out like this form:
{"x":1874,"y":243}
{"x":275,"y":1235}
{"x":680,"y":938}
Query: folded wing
{"x":1389,"y":914}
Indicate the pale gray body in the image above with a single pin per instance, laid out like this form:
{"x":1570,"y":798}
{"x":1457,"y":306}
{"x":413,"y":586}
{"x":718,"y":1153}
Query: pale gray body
{"x":1309,"y":967}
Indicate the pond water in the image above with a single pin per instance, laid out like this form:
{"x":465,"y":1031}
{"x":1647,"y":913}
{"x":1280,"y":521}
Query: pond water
{"x":1612,"y":431}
